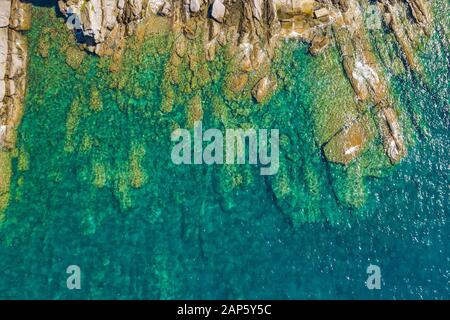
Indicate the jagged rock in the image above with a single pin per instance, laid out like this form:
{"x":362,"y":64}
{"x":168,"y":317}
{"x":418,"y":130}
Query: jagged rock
{"x":214,"y":29}
{"x":392,"y":135}
{"x":166,"y":9}
{"x":257,"y":9}
{"x":421,"y":12}
{"x":17,"y":54}
{"x":15,"y":84}
{"x":211,"y":50}
{"x":105,"y":23}
{"x":195,"y":5}
{"x":400,"y":35}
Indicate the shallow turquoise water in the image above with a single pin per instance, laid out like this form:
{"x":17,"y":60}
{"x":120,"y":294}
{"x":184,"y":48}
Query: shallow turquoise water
{"x":187,"y":236}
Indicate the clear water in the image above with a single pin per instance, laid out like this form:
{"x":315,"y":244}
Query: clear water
{"x":149,"y":229}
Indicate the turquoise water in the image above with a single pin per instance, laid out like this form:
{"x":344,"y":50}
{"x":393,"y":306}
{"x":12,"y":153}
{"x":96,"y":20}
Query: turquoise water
{"x":192,"y":232}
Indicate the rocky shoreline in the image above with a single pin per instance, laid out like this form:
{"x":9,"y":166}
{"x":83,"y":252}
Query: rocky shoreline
{"x":251,"y":32}
{"x":15,"y":18}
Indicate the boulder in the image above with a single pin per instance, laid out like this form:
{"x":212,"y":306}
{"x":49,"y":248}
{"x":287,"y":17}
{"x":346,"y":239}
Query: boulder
{"x":350,"y":142}
{"x":264,"y":89}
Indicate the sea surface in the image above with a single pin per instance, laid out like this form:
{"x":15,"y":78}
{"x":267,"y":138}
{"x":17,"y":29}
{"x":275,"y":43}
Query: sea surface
{"x":93,"y":186}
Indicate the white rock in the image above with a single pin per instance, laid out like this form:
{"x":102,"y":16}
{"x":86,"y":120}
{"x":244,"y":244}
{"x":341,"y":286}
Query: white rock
{"x":166,"y":9}
{"x":321,"y":13}
{"x":3,"y":52}
{"x":195,"y":5}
